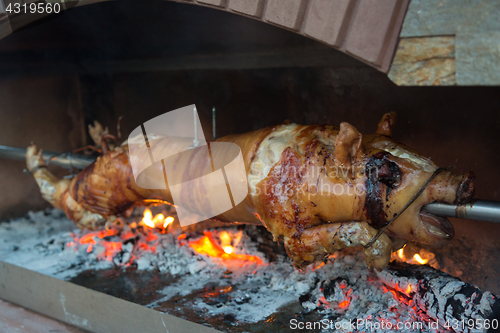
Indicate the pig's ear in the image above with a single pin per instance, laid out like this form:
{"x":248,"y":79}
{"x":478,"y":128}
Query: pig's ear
{"x":347,"y":144}
{"x":386,"y":124}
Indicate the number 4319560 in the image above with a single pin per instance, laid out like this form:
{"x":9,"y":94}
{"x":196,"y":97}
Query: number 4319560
{"x":33,"y":8}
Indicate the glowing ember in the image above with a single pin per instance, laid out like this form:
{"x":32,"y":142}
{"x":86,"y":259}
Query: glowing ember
{"x":89,"y":238}
{"x":111,"y":249}
{"x":399,"y":295}
{"x":347,"y":295}
{"x":318,"y":266}
{"x":208,"y":246}
{"x":344,"y":304}
{"x":107,"y":244}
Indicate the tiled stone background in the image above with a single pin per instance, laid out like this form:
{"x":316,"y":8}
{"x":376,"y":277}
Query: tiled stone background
{"x":473,"y":27}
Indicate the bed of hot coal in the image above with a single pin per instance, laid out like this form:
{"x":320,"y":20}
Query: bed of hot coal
{"x":236,"y":279}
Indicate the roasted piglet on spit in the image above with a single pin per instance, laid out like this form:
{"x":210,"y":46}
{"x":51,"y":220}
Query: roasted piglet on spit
{"x":316,"y":188}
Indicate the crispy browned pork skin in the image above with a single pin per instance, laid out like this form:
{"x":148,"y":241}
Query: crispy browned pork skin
{"x":317,"y":188}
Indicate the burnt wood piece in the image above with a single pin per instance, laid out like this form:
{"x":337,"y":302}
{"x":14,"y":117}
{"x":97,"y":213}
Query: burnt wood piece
{"x":443,"y":297}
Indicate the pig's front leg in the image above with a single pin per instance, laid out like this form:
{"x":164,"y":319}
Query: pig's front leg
{"x":315,"y":243}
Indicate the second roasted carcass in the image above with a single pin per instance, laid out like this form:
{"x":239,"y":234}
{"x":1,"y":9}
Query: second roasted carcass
{"x":316,"y":188}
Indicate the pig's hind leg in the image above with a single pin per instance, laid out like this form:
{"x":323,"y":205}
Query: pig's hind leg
{"x":316,"y":243}
{"x":55,"y":191}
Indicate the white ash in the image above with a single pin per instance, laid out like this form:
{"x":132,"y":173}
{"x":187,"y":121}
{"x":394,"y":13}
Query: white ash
{"x":260,"y":291}
{"x":41,"y":242}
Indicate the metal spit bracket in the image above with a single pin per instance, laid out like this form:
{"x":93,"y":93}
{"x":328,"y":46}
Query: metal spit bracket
{"x":85,"y":308}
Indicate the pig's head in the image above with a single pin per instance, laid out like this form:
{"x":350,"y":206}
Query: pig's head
{"x":394,"y":173}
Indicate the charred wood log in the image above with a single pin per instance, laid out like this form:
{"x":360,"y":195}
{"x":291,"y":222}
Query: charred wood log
{"x":456,"y":305}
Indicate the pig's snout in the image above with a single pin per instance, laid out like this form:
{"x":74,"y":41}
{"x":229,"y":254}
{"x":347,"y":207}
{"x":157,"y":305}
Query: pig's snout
{"x":466,"y":189}
{"x":452,"y":189}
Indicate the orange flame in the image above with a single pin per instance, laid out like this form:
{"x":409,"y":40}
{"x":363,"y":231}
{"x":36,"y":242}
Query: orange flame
{"x":147,"y":218}
{"x":401,"y":254}
{"x":208,"y":246}
{"x":158,"y":221}
{"x":225,"y":242}
{"x":168,"y":220}
{"x":421,"y":258}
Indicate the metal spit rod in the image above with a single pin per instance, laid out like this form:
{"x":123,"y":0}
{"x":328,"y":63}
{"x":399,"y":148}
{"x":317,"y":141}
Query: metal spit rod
{"x":482,"y":210}
{"x":65,"y":160}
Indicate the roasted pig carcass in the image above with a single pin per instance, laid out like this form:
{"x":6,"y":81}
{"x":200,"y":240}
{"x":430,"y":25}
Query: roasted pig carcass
{"x":316,"y":188}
